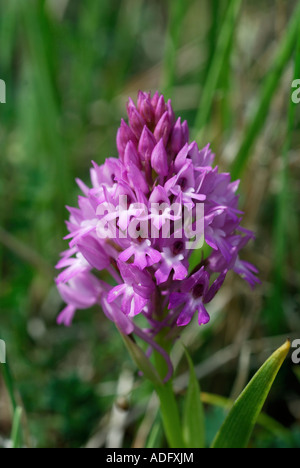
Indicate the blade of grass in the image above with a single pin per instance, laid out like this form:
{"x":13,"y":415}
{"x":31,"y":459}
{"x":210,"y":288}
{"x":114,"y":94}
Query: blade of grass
{"x":8,"y":25}
{"x":42,"y":65}
{"x":226,"y":84}
{"x":216,"y":14}
{"x":155,"y":437}
{"x":177,"y":10}
{"x":214,"y":74}
{"x":274,"y":311}
{"x":129,"y":23}
{"x":16,"y":429}
{"x":93,"y":19}
{"x":270,"y":86}
{"x":9,"y":383}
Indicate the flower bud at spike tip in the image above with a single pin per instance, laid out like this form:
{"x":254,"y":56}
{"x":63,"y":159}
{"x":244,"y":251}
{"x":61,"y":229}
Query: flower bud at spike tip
{"x":131,"y":155}
{"x":146,"y":144}
{"x":136,"y":121}
{"x":163,"y":128}
{"x":123,"y":136}
{"x":145,"y":107}
{"x":171,"y":112}
{"x":185,"y":133}
{"x":160,"y":109}
{"x":159,"y":159}
{"x":154,"y":100}
{"x":177,"y":137}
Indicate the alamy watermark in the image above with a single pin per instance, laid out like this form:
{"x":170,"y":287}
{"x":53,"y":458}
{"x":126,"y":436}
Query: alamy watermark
{"x":156,"y":221}
{"x":296,"y":353}
{"x":2,"y":92}
{"x":2,"y":352}
{"x":296,"y":92}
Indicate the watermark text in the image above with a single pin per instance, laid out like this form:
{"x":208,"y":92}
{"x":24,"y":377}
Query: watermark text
{"x":296,"y":92}
{"x":2,"y":352}
{"x":296,"y":353}
{"x":157,"y":221}
{"x":2,"y":92}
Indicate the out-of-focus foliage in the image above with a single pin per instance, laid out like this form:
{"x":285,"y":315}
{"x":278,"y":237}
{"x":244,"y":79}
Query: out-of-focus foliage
{"x":69,"y":67}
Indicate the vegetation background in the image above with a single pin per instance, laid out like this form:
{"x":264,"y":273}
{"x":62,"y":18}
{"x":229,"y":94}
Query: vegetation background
{"x":69,"y":67}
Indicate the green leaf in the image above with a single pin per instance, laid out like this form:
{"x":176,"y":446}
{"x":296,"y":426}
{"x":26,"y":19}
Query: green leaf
{"x":16,"y":429}
{"x":193,"y":423}
{"x":297,"y":373}
{"x":239,"y":424}
{"x":141,"y":360}
{"x":263,"y":420}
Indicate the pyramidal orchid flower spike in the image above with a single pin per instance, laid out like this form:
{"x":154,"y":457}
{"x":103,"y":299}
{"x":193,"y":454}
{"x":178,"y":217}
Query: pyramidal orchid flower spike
{"x":132,"y":222}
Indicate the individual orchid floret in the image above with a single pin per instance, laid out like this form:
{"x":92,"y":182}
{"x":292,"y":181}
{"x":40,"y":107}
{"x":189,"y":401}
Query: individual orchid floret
{"x":194,"y":293}
{"x":136,"y":290}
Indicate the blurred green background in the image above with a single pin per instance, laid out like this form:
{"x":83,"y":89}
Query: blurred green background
{"x":69,"y":67}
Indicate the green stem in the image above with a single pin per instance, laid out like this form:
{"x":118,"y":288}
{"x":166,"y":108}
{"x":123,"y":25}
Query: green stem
{"x":170,"y":415}
{"x":168,"y":404}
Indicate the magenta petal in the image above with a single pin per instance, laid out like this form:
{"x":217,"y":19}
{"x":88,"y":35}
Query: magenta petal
{"x":154,"y":257}
{"x":125,"y":256}
{"x":162,"y":275}
{"x":141,"y":260}
{"x":116,"y":292}
{"x":176,"y":300}
{"x":215,"y":287}
{"x":114,"y":314}
{"x":180,"y":272}
{"x":186,"y":315}
{"x":75,"y":298}
{"x":94,"y":254}
{"x":139,"y":303}
{"x":203,"y":316}
{"x":74,"y":270}
{"x":66,"y":316}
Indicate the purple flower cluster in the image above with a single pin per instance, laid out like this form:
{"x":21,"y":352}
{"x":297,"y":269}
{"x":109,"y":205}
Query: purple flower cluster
{"x":151,"y":276}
